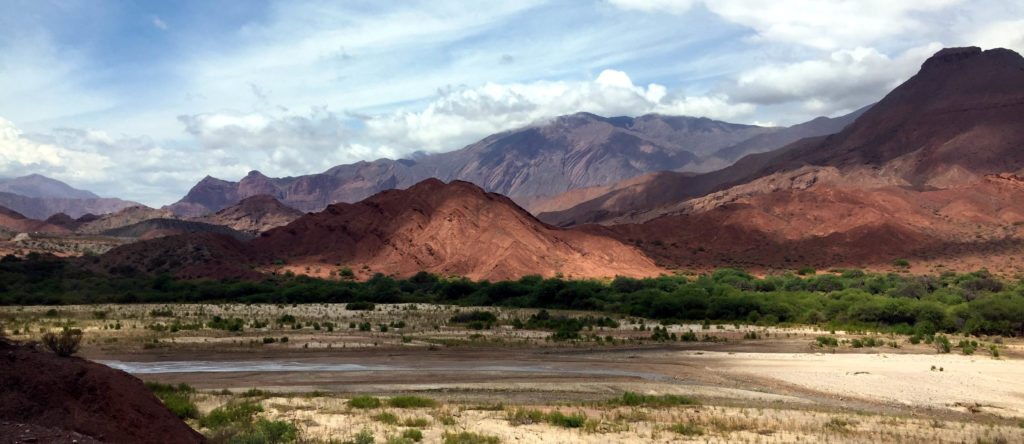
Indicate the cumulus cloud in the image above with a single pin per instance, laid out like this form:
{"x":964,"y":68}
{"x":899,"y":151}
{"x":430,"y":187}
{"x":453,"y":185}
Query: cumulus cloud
{"x":823,"y":24}
{"x":1002,"y":34}
{"x":462,"y":115}
{"x":287,"y":144}
{"x":20,"y":155}
{"x":845,"y":79}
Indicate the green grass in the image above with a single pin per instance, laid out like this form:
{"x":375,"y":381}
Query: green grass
{"x":521,"y":416}
{"x":177,"y":399}
{"x":414,"y":435}
{"x":411,"y":402}
{"x":633,"y":399}
{"x":687,"y":429}
{"x":416,"y":422}
{"x":469,"y":438}
{"x":364,"y":402}
{"x":386,"y":418}
{"x":233,"y":413}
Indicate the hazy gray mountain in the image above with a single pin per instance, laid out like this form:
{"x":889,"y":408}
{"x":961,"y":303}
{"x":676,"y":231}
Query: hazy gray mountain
{"x":44,"y":207}
{"x":565,"y":153}
{"x":35,"y":185}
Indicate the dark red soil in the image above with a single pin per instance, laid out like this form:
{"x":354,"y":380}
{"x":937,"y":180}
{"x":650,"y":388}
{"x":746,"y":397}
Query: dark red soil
{"x":58,"y":397}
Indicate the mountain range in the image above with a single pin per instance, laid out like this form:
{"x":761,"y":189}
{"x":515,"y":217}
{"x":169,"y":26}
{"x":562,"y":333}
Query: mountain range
{"x":531,"y":165}
{"x":40,"y":197}
{"x":932,"y":173}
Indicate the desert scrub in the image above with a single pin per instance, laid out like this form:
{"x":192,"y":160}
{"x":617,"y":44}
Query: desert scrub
{"x":364,"y":402}
{"x":687,"y":429}
{"x":177,"y":399}
{"x":469,"y":438}
{"x":416,"y":422}
{"x":411,"y":402}
{"x":65,"y":343}
{"x":414,"y":435}
{"x":633,"y":399}
{"x":827,"y":341}
{"x":385,"y":418}
{"x":521,"y":416}
{"x":232,"y":413}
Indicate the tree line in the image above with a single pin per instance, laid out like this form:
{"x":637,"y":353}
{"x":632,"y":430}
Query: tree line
{"x":972,"y":303}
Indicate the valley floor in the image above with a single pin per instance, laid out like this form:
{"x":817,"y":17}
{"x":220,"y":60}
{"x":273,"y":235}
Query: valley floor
{"x":752,"y":384}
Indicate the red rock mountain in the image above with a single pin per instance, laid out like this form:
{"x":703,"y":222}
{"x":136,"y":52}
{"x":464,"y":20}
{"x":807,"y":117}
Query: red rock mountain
{"x":528,"y":164}
{"x":959,"y":119}
{"x":254,"y":215}
{"x":448,"y":229}
{"x":15,"y":222}
{"x":929,"y":173}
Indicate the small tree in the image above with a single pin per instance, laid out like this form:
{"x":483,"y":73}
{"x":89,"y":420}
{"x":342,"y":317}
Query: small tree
{"x":65,"y":343}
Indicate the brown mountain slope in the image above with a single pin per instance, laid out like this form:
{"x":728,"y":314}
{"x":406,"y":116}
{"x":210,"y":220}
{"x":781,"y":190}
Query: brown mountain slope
{"x":125,"y":217}
{"x":254,"y":215}
{"x":187,"y":256}
{"x":828,"y":225}
{"x":569,"y":152}
{"x":18,"y":223}
{"x":82,"y":397}
{"x":449,"y":229}
{"x":960,"y":118}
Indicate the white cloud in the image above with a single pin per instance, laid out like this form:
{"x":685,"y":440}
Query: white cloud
{"x":463,"y":115}
{"x":1003,"y":34}
{"x":20,"y":155}
{"x":845,"y":79}
{"x":281,"y":142}
{"x":159,"y":23}
{"x":823,"y":24}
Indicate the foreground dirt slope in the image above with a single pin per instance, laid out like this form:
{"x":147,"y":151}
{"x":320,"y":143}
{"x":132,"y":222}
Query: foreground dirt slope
{"x":450,"y":229}
{"x":40,"y":389}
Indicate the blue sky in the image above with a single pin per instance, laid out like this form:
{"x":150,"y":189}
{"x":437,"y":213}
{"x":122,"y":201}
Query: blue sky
{"x":142,"y":99}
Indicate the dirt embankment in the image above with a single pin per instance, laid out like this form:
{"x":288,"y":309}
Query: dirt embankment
{"x":64,"y":397}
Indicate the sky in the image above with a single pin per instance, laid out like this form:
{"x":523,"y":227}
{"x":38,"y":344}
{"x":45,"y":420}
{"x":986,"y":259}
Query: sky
{"x":142,"y":99}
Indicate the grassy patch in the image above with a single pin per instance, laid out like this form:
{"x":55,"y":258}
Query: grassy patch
{"x":177,"y":399}
{"x":633,"y":399}
{"x":687,"y":429}
{"x":469,"y":438}
{"x":364,"y":402}
{"x":411,"y":402}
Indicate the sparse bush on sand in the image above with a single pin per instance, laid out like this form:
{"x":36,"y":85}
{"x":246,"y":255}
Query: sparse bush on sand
{"x":65,"y":343}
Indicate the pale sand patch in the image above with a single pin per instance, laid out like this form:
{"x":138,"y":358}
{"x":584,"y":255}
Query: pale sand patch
{"x":905,"y":379}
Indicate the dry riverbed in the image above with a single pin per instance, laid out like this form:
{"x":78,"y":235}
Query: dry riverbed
{"x":748,"y":383}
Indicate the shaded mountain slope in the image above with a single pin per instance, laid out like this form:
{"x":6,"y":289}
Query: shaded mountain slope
{"x":253,"y":215}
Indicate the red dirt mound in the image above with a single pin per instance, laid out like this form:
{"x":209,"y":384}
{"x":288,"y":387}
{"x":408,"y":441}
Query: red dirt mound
{"x":71,"y":394}
{"x":449,"y":229}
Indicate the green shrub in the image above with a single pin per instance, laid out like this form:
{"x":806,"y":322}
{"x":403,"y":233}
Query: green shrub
{"x":469,"y":438}
{"x":230,"y":414}
{"x":411,"y":402}
{"x":687,"y":429}
{"x":65,"y":343}
{"x":521,"y":416}
{"x":568,"y":421}
{"x":360,"y":306}
{"x":633,"y":399}
{"x":177,"y":399}
{"x":416,"y":422}
{"x":827,"y":341}
{"x":414,"y":435}
{"x":386,"y":418}
{"x":364,"y":402}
